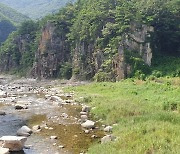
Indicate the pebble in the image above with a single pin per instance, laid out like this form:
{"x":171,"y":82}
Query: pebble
{"x":87,"y":131}
{"x":108,"y":129}
{"x":61,"y":146}
{"x":2,"y":113}
{"x":53,"y":137}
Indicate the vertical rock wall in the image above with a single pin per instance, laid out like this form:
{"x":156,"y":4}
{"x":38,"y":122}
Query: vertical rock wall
{"x":51,"y":53}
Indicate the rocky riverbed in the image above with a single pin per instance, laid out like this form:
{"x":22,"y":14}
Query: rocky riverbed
{"x":59,"y":124}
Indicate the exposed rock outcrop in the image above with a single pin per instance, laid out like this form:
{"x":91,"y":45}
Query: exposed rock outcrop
{"x":86,"y":59}
{"x":137,"y":41}
{"x":52,"y":52}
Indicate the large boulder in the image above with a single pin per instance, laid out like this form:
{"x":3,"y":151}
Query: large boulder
{"x":24,"y":131}
{"x":13,"y":143}
{"x":88,"y":124}
{"x":4,"y":150}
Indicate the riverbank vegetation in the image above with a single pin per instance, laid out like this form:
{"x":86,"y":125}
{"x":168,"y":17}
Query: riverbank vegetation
{"x":146,"y":114}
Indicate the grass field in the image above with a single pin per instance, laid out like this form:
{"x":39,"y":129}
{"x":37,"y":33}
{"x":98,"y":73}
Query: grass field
{"x":146,"y":113}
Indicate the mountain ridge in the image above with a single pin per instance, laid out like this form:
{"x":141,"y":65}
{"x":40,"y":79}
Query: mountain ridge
{"x":36,"y":9}
{"x":9,"y":20}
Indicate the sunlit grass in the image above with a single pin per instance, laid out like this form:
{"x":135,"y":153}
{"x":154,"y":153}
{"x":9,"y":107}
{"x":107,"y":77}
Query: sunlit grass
{"x":146,"y":113}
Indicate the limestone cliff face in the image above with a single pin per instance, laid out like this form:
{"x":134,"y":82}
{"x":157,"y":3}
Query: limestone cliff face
{"x":138,"y":41}
{"x":88,"y":60}
{"x":85,"y":61}
{"x":51,"y":53}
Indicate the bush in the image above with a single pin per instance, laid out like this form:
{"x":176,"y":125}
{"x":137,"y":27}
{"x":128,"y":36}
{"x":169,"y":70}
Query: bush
{"x":102,"y":77}
{"x":157,"y":74}
{"x":140,"y":75}
{"x":66,"y":71}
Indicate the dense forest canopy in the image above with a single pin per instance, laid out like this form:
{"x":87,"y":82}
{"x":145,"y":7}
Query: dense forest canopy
{"x":104,"y":24}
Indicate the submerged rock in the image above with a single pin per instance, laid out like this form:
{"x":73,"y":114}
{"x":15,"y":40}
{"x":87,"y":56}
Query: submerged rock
{"x":13,"y":143}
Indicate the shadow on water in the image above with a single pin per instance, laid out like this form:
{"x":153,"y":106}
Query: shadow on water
{"x":20,"y":152}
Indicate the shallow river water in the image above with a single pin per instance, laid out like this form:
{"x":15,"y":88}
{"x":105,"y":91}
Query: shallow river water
{"x":58,"y":119}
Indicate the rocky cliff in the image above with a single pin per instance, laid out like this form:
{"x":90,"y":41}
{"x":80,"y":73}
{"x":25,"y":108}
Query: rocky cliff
{"x":52,"y":52}
{"x":86,"y":59}
{"x":136,"y":41}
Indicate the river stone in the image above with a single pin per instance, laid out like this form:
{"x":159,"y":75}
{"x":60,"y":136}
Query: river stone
{"x":20,"y":107}
{"x":3,"y":94}
{"x":24,"y":131}
{"x":36,"y":128}
{"x":87,"y":131}
{"x":108,"y":129}
{"x":56,"y":99}
{"x":86,"y":109}
{"x":84,"y":118}
{"x":2,"y":113}
{"x":13,"y":143}
{"x":53,"y":137}
{"x":4,"y":150}
{"x":83,"y":113}
{"x":88,"y":124}
{"x":107,"y":138}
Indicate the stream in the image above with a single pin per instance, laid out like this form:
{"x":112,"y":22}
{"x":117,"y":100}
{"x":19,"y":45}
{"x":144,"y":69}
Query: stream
{"x":55,"y":118}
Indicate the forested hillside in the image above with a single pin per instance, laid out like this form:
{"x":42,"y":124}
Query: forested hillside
{"x":9,"y":19}
{"x":36,"y":8}
{"x":106,"y":40}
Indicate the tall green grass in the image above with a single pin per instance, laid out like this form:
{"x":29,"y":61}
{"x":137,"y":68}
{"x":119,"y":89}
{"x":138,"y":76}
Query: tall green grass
{"x":146,"y":114}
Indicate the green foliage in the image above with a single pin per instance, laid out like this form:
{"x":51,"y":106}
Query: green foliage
{"x":65,"y":71}
{"x":146,"y":114}
{"x":166,"y":66}
{"x":139,"y":68}
{"x":102,"y":77}
{"x":28,"y":27}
